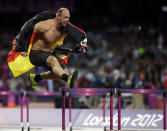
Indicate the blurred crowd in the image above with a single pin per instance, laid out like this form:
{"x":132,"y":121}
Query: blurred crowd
{"x":127,"y":57}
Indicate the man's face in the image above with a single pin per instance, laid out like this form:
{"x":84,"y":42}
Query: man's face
{"x":64,"y":18}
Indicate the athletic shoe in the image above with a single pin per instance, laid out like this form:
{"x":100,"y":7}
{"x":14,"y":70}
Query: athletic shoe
{"x":33,"y":83}
{"x":71,"y":79}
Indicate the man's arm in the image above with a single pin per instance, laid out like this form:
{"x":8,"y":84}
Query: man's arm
{"x":41,"y":27}
{"x":77,"y":35}
{"x":74,"y":32}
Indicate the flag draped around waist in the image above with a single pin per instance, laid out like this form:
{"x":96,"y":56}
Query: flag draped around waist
{"x":17,"y":63}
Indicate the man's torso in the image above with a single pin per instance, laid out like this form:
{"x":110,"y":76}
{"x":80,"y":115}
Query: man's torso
{"x":45,"y":40}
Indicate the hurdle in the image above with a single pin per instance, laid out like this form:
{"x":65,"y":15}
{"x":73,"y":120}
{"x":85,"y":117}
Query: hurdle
{"x":28,"y":94}
{"x":86,"y":92}
{"x":21,"y":110}
{"x":141,"y":91}
{"x":21,"y":94}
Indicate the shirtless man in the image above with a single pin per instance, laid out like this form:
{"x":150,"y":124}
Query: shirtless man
{"x":48,"y":34}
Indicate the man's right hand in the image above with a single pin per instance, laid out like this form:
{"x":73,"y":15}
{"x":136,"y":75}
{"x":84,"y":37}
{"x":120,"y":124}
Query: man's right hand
{"x":85,"y":46}
{"x":24,"y":54}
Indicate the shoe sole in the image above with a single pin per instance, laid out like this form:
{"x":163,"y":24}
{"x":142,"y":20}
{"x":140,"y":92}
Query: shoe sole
{"x":74,"y":77}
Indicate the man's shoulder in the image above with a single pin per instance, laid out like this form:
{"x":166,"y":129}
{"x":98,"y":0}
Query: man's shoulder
{"x":46,"y":24}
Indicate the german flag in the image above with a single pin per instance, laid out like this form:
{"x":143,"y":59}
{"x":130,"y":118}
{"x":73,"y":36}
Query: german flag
{"x":17,"y":63}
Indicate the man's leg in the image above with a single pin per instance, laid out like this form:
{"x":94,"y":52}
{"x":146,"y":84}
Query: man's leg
{"x":50,"y":75}
{"x":35,"y":78}
{"x":54,"y":64}
{"x":57,"y":73}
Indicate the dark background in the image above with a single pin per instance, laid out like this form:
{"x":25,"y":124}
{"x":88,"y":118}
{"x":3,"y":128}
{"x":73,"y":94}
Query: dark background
{"x":88,"y":13}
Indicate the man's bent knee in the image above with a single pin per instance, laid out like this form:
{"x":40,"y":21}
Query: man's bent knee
{"x":52,"y":61}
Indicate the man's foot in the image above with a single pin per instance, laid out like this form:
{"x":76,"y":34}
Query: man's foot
{"x":33,"y":83}
{"x":71,"y":79}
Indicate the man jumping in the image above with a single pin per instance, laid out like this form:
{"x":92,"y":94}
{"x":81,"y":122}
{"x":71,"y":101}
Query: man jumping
{"x":47,"y":31}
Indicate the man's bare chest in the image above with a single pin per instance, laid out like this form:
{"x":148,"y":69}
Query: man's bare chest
{"x":52,"y":35}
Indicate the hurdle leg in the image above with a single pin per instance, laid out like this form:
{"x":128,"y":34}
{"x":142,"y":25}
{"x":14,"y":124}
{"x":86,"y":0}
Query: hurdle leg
{"x":111,"y":111}
{"x":21,"y":111}
{"x":104,"y":112}
{"x":70,"y":106}
{"x":164,"y":110}
{"x":63,"y":110}
{"x":119,"y":110}
{"x":27,"y":104}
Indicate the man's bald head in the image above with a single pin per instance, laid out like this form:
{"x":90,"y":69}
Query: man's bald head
{"x":60,"y":11}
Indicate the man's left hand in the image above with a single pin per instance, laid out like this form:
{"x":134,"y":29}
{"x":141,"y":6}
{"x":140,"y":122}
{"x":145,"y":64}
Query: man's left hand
{"x":24,"y":54}
{"x":85,"y":46}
